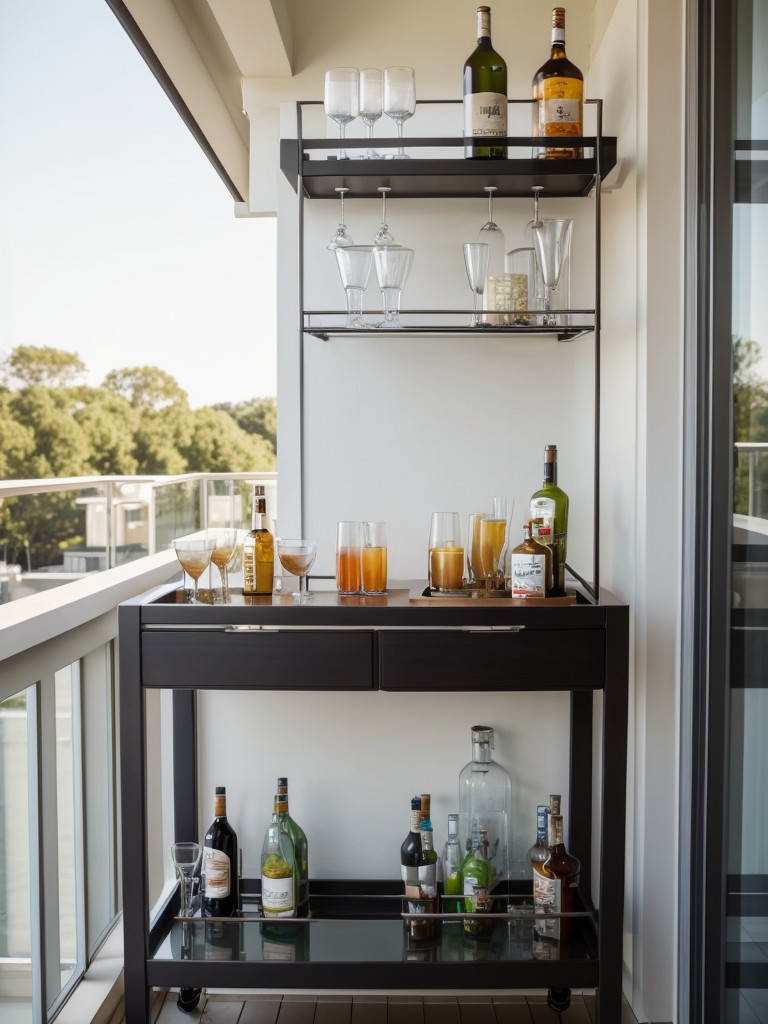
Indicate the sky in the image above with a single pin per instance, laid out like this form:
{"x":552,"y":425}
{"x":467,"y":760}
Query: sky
{"x":118,"y":239}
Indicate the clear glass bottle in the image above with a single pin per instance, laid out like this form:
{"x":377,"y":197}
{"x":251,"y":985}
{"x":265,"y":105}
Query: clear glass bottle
{"x":452,"y":858}
{"x":278,"y":871}
{"x":258,"y":549}
{"x":300,"y":850}
{"x":485,"y":800}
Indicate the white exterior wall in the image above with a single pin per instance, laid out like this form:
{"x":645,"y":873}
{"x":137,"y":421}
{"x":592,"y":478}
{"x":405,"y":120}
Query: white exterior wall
{"x":397,"y":428}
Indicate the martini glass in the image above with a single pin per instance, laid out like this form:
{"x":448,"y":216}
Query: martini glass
{"x":341,"y":236}
{"x":297,"y":556}
{"x":224,"y":544}
{"x":194,"y":554}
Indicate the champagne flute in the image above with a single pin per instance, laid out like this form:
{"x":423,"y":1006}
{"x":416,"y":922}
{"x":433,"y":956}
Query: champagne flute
{"x":552,"y":239}
{"x":476,"y":256}
{"x":384,"y":235}
{"x":185,"y":857}
{"x":297,"y":557}
{"x":224,"y":544}
{"x":399,"y":100}
{"x":194,"y":554}
{"x":371,"y":104}
{"x":341,"y":100}
{"x":341,"y":236}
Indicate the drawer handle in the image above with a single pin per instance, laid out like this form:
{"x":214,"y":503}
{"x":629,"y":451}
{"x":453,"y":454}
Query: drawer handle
{"x":251,"y":628}
{"x":493,"y":629}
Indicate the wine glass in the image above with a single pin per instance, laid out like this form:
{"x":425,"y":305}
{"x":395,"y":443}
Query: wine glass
{"x":341,"y":236}
{"x":492,"y":235}
{"x":195,"y":556}
{"x":224,"y":544}
{"x":371,"y":104}
{"x":384,"y":235}
{"x":355,"y":262}
{"x":552,"y":239}
{"x":297,"y":557}
{"x":341,"y":100}
{"x":185,"y":857}
{"x":476,"y":261}
{"x":392,"y":266}
{"x":399,"y":100}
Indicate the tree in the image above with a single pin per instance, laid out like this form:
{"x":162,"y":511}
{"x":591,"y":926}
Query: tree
{"x":41,"y":365}
{"x":750,"y":423}
{"x":218,"y":445}
{"x":110,"y":424}
{"x":258,"y":416}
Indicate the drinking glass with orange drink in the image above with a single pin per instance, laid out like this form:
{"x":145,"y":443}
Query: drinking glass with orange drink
{"x":374,"y":561}
{"x":446,"y":552}
{"x":492,"y":537}
{"x":349,"y":569}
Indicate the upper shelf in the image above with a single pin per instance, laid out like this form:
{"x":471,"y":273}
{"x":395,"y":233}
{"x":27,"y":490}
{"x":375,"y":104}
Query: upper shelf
{"x":320,"y":173}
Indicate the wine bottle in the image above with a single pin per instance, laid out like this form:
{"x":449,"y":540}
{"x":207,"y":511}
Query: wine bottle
{"x":278,"y":870}
{"x":300,"y":850}
{"x":410,"y":851}
{"x":452,"y":858}
{"x":485,"y":95}
{"x":476,"y":882}
{"x":549,"y":517}
{"x":219,"y":870}
{"x":529,"y":567}
{"x":427,"y":875}
{"x":555,"y":884}
{"x":558,"y":91}
{"x":258,"y":549}
{"x":539,"y":852}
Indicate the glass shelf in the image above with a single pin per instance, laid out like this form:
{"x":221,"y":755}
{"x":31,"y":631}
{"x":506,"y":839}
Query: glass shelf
{"x":325,"y":324}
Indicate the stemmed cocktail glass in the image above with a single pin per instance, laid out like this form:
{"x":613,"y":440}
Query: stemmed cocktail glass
{"x":399,"y":100}
{"x":341,"y":99}
{"x":194,"y":554}
{"x":384,"y":236}
{"x":552,"y":240}
{"x":224,"y":544}
{"x":297,"y":556}
{"x":341,"y":236}
{"x":355,"y":262}
{"x":393,"y":263}
{"x":371,"y":104}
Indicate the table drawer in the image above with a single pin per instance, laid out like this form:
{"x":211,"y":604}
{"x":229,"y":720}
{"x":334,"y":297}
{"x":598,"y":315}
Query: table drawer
{"x":525,"y":659}
{"x":259,"y":660}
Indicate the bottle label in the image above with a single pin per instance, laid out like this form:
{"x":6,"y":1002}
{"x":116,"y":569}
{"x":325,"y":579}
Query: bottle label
{"x":277,"y":896}
{"x":216,"y":874}
{"x":528,"y":575}
{"x":547,"y":895}
{"x":427,"y":875}
{"x":561,"y":114}
{"x":410,"y":876}
{"x":485,"y":115}
{"x":476,"y":895}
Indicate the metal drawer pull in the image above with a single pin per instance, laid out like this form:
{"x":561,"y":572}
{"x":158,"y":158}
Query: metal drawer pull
{"x":248,"y":627}
{"x":492,"y":629}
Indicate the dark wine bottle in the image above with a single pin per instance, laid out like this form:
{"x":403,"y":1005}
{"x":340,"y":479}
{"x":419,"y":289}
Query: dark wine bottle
{"x":220,"y":853}
{"x":410,"y":852}
{"x":485,"y":95}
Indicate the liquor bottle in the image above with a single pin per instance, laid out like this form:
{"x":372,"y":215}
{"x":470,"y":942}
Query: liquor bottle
{"x":258,"y":549}
{"x":539,"y":852}
{"x":558,"y":89}
{"x":528,"y":567}
{"x":300,"y":850}
{"x":549,"y":517}
{"x":452,"y":858}
{"x":410,"y":852}
{"x":476,"y":883}
{"x":219,"y":869}
{"x":555,"y":884}
{"x":278,"y":870}
{"x":485,"y":800}
{"x":427,"y":874}
{"x":485,"y":95}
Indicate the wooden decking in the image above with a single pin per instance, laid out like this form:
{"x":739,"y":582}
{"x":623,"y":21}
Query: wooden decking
{"x":373,"y":1009}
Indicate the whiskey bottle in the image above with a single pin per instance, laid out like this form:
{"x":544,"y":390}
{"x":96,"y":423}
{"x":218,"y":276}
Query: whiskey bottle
{"x":549,"y":518}
{"x":258,"y":549}
{"x":300,"y":850}
{"x":555,"y":885}
{"x":558,"y":89}
{"x":528,"y":567}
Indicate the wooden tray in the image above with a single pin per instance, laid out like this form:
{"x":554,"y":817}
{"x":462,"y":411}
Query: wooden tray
{"x":423,"y":597}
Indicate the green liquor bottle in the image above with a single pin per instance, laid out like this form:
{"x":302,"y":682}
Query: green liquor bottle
{"x":549,"y":516}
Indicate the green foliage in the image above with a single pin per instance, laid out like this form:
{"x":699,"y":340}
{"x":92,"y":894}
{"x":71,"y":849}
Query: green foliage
{"x":750,"y":423}
{"x":138,"y":422}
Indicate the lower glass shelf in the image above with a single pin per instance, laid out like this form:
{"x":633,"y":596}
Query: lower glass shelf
{"x":565,"y":325}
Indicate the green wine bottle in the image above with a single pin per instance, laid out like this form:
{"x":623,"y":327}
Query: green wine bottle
{"x":485,"y":95}
{"x":549,"y":517}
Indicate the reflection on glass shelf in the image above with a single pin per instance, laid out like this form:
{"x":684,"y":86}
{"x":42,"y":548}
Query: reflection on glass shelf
{"x":570,"y":324}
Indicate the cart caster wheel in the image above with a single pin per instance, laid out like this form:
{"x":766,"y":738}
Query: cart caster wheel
{"x":188,"y":999}
{"x":559,"y":999}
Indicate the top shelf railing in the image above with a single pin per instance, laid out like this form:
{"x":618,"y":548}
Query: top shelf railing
{"x":435,"y":166}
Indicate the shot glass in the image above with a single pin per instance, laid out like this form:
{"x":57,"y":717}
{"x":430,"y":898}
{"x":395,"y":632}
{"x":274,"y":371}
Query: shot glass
{"x":446,"y":552}
{"x":374,"y":563}
{"x":349,"y":543}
